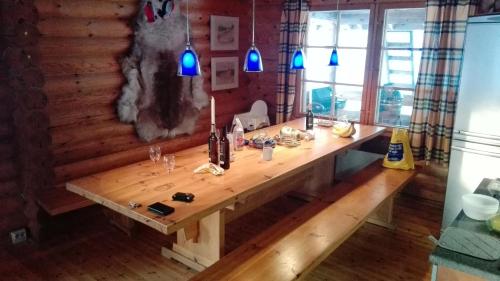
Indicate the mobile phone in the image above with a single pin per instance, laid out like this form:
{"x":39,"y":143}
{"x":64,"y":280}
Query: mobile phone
{"x":184,"y":197}
{"x":160,"y":208}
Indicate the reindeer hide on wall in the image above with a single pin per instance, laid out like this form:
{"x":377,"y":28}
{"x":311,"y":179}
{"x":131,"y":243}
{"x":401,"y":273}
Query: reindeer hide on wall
{"x":160,"y":103}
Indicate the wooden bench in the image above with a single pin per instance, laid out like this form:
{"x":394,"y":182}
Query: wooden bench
{"x":57,"y":201}
{"x":293,"y":247}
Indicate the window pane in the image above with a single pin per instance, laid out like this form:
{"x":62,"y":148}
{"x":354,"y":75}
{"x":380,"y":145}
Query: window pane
{"x":321,"y":94}
{"x":351,"y":68}
{"x":348,"y":101}
{"x":321,"y":28}
{"x":400,"y":68}
{"x":395,"y":107}
{"x":317,"y":64}
{"x":399,"y":65}
{"x":354,"y":28}
{"x":404,"y":28}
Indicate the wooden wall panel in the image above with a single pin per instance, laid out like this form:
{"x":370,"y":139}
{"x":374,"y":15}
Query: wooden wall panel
{"x":80,"y":47}
{"x":11,"y":211}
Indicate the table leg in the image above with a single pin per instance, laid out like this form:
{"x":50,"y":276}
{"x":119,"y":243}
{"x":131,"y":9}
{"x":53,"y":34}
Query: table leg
{"x":319,"y":179}
{"x":383,"y":215}
{"x":202,"y":249}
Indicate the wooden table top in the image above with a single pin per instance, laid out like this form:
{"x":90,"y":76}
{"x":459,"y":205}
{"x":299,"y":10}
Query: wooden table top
{"x":146,"y":183}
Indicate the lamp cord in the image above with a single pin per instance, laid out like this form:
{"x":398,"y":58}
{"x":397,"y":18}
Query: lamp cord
{"x":253,"y":22}
{"x":300,"y":23}
{"x":187,"y":22}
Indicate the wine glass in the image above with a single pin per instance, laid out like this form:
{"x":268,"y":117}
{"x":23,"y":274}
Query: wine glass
{"x":169,"y":161}
{"x":155,"y":153}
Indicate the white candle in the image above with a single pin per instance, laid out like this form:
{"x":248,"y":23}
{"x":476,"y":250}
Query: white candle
{"x":212,"y":103}
{"x":310,"y":98}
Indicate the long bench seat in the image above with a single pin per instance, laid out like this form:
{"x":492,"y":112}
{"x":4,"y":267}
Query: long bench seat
{"x":293,"y":247}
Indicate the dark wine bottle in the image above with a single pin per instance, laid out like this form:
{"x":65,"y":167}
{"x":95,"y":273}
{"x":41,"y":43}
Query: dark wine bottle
{"x":309,"y":118}
{"x":213,"y":147}
{"x":225,"y":153}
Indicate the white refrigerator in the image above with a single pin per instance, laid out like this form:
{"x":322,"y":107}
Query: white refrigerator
{"x":475,"y":148}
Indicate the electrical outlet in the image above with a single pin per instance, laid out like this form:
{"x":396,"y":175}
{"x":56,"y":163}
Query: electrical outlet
{"x":18,"y":236}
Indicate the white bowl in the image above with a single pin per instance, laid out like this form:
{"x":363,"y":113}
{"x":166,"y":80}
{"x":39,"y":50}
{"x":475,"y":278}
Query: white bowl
{"x":479,"y":207}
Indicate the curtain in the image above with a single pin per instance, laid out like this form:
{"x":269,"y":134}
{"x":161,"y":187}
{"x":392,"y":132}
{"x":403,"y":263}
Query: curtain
{"x":431,"y":123}
{"x":289,"y":41}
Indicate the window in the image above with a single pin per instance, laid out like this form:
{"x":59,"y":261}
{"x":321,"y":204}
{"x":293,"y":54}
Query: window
{"x":401,"y":52}
{"x":350,"y":30}
{"x":346,"y":89}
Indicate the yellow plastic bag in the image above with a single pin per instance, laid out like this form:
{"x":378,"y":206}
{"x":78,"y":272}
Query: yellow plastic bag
{"x":399,"y":155}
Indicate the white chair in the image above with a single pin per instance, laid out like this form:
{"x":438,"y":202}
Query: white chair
{"x":256,"y":118}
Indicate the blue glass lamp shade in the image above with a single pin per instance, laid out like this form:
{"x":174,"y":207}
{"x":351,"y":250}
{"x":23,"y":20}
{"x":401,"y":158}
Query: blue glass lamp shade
{"x":334,"y":58}
{"x":253,"y":61}
{"x":188,"y":63}
{"x":298,"y":59}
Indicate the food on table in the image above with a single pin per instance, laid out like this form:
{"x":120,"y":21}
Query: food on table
{"x":344,"y":129}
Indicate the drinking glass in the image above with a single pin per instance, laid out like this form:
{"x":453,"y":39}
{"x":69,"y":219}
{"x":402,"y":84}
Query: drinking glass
{"x":267,"y":151}
{"x":169,"y":161}
{"x":155,"y":153}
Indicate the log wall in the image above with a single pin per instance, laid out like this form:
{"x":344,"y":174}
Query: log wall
{"x":81,"y":45}
{"x":63,"y":59}
{"x":67,"y":66}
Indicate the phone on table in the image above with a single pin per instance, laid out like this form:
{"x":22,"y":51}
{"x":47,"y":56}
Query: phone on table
{"x":160,"y":209}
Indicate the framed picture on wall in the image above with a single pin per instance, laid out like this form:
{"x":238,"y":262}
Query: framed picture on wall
{"x":224,"y":73}
{"x":224,"y":32}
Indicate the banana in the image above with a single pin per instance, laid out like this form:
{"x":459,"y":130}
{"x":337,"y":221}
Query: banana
{"x":343,"y":130}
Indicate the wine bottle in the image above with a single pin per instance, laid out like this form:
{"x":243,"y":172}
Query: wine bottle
{"x":309,"y":118}
{"x":225,"y":153}
{"x":213,"y":147}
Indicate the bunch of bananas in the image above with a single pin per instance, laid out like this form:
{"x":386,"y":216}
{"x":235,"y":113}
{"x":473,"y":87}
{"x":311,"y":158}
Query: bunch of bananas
{"x":344,"y":130}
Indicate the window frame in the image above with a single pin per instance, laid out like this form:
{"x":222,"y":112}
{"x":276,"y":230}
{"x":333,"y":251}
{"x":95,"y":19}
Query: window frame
{"x":371,"y":80}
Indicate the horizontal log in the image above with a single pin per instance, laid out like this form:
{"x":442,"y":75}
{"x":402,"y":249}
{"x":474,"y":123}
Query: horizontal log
{"x":6,"y":131}
{"x":82,"y":83}
{"x":7,"y":150}
{"x":8,"y":171}
{"x":59,"y":101}
{"x":10,"y":205}
{"x":57,"y":66}
{"x":31,"y":142}
{"x":18,"y":58}
{"x":24,"y":34}
{"x":75,"y":47}
{"x":32,"y":99}
{"x":98,"y":147}
{"x":15,"y":221}
{"x":94,"y":165}
{"x":27,"y":121}
{"x":85,"y":9}
{"x":9,"y":189}
{"x":68,"y":137}
{"x":74,"y":27}
{"x":26,"y":78}
{"x":83,"y":116}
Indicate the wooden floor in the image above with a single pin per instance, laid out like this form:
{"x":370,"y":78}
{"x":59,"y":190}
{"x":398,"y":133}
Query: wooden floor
{"x":90,"y":249}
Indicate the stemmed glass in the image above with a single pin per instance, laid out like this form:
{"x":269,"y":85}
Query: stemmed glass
{"x":169,"y":161}
{"x":155,"y":153}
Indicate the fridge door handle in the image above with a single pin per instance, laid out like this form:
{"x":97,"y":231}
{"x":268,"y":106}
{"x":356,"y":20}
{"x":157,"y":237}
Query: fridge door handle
{"x":485,"y":153}
{"x":466,"y":133}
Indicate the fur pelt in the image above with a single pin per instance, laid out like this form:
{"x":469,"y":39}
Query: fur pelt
{"x":160,"y":103}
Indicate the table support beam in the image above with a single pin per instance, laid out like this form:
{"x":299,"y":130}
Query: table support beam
{"x":207,"y":250}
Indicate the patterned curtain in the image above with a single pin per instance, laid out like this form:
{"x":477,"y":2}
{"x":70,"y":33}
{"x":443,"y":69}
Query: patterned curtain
{"x":431,"y":124}
{"x":289,"y":41}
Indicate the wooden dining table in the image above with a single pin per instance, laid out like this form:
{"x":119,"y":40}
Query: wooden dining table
{"x":249,"y":183}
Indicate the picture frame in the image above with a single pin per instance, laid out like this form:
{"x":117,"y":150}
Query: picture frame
{"x":224,"y":33}
{"x":225,"y":72}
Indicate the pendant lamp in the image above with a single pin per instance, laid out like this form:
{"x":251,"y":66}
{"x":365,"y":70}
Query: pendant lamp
{"x":188,"y":61}
{"x":334,"y":57}
{"x":253,"y":59}
{"x":298,"y":58}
